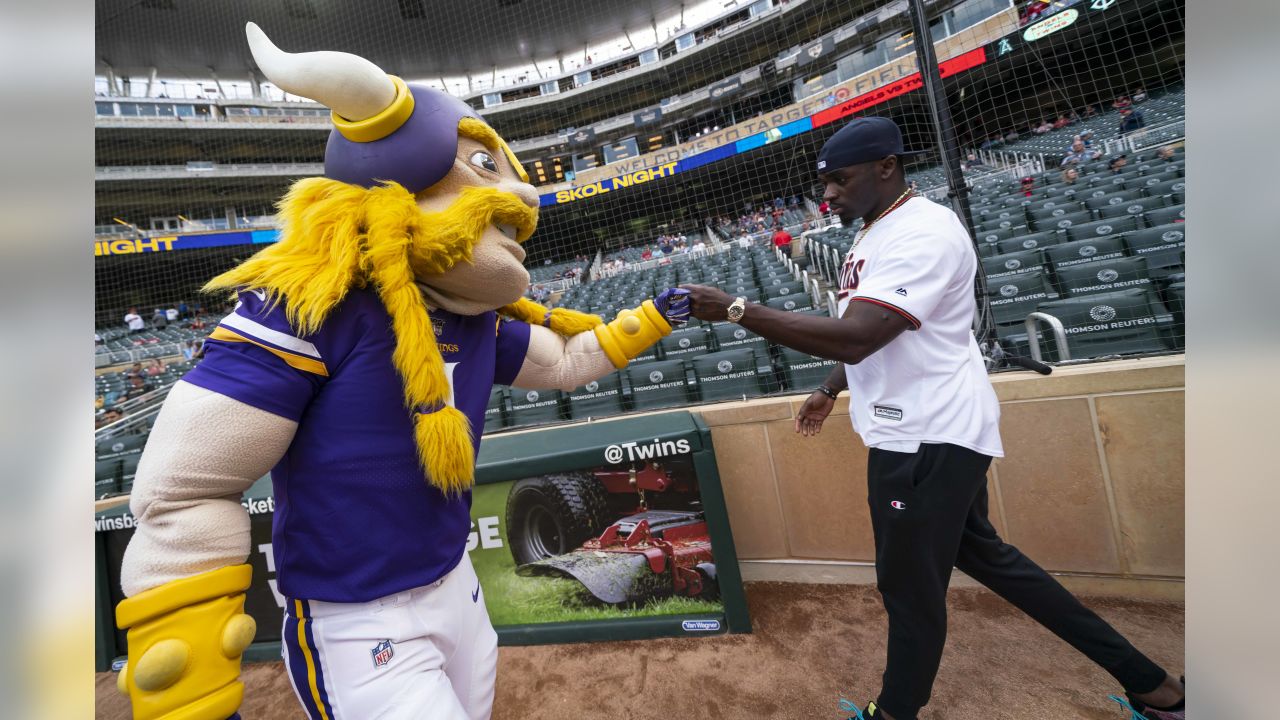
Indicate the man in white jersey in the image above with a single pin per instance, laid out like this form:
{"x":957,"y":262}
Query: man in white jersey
{"x":923,"y":404}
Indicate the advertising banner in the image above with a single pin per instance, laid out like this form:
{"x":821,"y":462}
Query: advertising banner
{"x":648,"y":116}
{"x":616,"y":530}
{"x":813,"y":51}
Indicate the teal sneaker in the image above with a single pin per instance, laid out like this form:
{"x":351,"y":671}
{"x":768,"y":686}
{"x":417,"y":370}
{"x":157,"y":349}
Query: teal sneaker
{"x":1139,"y":711}
{"x":870,"y":713}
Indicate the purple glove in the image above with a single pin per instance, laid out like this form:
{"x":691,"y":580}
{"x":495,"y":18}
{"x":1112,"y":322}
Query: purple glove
{"x":673,"y":303}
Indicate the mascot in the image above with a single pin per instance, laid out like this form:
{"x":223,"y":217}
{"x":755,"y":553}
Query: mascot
{"x":355,"y":368}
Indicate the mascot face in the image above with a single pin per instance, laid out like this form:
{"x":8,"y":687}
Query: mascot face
{"x":484,"y":203}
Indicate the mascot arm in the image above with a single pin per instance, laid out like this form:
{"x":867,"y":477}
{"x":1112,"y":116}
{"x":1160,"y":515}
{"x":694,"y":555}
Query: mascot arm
{"x":184,"y":571}
{"x":634,"y":330}
{"x":554,"y":361}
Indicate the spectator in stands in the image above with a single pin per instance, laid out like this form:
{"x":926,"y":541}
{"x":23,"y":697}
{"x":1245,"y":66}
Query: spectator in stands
{"x":1139,"y":95}
{"x":1027,"y":186}
{"x":665,"y":246}
{"x":782,"y":240}
{"x":1116,"y":166}
{"x":197,"y":323}
{"x":153,"y":368}
{"x":134,"y":321}
{"x":1070,"y":175}
{"x":137,"y":386}
{"x":699,"y":248}
{"x":1122,"y":102}
{"x":183,"y":310}
{"x":1131,"y":120}
{"x":1061,"y":122}
{"x":158,"y":320}
{"x":135,"y":370}
{"x":646,"y":254}
{"x":171,"y":314}
{"x":1079,"y":153}
{"x":744,"y":240}
{"x":188,"y":351}
{"x":1165,"y":153}
{"x":1090,"y":111}
{"x":1011,"y":136}
{"x":972,"y":161}
{"x":106,"y":418}
{"x":1044,"y":127}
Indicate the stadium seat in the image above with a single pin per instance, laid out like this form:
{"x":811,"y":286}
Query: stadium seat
{"x":1010,"y":263}
{"x":728,"y":375}
{"x":792,"y":287}
{"x":119,"y":446}
{"x":1163,"y":246}
{"x":1030,"y":241}
{"x":1084,"y":251}
{"x":1115,"y":323}
{"x":1044,"y":216}
{"x":1115,"y":198}
{"x":1174,"y":189}
{"x":986,"y":250}
{"x":658,"y":384}
{"x":804,"y":372}
{"x":991,"y":237}
{"x":529,"y":407}
{"x":128,"y":470}
{"x":106,"y":477}
{"x":1132,"y":208}
{"x":791,"y":303}
{"x":1165,"y":216}
{"x":1063,"y":222}
{"x":685,"y":341}
{"x":1001,"y":224}
{"x":1012,"y":297}
{"x":495,"y":414}
{"x":1177,"y":295}
{"x":731,"y":336}
{"x":1103,"y":228}
{"x":737,"y":286}
{"x":598,"y":398}
{"x":1104,"y":276}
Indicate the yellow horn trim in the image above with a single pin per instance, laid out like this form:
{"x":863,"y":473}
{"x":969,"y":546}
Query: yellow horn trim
{"x":382,"y":124}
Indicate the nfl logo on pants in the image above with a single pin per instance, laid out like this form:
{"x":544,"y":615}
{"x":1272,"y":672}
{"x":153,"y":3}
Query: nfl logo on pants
{"x":382,"y":653}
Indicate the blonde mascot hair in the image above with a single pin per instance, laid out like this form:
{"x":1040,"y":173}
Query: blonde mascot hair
{"x":335,"y":237}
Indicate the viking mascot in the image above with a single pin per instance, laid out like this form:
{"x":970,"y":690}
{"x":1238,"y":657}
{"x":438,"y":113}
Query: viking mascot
{"x":355,"y":368}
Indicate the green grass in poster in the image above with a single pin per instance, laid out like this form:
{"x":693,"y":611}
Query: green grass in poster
{"x":515,"y":600}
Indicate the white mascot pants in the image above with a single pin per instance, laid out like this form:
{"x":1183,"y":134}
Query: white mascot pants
{"x":429,"y":653}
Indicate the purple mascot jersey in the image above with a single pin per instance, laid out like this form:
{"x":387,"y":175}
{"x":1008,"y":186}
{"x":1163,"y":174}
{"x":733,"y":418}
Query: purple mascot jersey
{"x":355,"y":517}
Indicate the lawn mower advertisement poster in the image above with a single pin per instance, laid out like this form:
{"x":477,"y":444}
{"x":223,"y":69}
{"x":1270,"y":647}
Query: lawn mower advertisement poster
{"x":611,"y":531}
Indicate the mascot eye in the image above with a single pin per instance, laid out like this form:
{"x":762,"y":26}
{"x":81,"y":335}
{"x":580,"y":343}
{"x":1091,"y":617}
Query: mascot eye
{"x":484,"y":160}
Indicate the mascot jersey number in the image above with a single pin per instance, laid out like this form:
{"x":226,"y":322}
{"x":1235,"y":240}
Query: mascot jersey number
{"x":355,"y":368}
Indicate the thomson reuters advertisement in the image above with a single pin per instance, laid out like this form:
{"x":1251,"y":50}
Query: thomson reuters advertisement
{"x":613,"y":530}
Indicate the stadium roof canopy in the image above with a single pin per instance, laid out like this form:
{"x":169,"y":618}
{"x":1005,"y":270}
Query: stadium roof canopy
{"x":414,"y":38}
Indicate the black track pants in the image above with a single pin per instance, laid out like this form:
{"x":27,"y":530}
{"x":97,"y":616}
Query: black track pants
{"x":929,"y":513}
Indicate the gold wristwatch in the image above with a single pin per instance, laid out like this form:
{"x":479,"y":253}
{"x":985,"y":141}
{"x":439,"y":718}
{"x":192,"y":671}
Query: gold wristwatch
{"x":736,"y":309}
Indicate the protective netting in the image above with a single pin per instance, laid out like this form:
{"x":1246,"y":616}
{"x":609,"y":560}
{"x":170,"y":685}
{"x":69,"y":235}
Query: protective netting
{"x":669,"y":143}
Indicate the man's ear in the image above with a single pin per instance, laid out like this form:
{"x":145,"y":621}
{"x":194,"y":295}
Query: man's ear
{"x":887,"y":166}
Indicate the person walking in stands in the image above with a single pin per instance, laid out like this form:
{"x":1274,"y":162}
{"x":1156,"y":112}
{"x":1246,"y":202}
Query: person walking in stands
{"x":158,"y":320}
{"x":782,"y":240}
{"x":134,"y":321}
{"x":923,"y":404}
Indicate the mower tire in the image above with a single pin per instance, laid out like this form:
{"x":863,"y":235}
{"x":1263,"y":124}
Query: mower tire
{"x":554,"y":514}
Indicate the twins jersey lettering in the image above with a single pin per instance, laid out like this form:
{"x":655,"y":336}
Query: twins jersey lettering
{"x":929,"y":384}
{"x":355,"y":518}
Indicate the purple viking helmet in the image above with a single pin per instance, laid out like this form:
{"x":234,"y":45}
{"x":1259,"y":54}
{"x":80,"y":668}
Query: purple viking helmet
{"x":384,"y":128}
{"x":417,"y":155}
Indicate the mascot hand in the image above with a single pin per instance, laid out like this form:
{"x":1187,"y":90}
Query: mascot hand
{"x":185,"y":641}
{"x":673,"y":303}
{"x":632,"y":331}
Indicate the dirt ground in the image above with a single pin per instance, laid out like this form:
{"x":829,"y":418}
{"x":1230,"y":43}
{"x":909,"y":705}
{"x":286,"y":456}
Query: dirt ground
{"x":810,"y":645}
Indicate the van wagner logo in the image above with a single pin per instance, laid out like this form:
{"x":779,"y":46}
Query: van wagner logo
{"x":700,"y":625}
{"x":1102,"y":313}
{"x":630,"y":451}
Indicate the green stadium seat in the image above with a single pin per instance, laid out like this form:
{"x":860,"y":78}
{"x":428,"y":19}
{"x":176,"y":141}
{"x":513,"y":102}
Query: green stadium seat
{"x":106,"y":477}
{"x":598,"y":398}
{"x":803,"y":371}
{"x":531,"y":407}
{"x":1002,"y":224}
{"x":729,"y":375}
{"x":1132,"y":208}
{"x":1011,"y":263}
{"x":658,"y":384}
{"x":119,"y":446}
{"x":1104,"y":276}
{"x":1163,"y":246}
{"x":1051,"y":209}
{"x":731,"y":336}
{"x":1165,"y":216}
{"x":1070,"y":254}
{"x":791,"y":287}
{"x":1103,"y":228}
{"x":1116,"y":323}
{"x":1030,"y":241}
{"x":986,"y":250}
{"x":791,"y":303}
{"x":991,"y":237}
{"x":128,"y":471}
{"x":1173,"y":189}
{"x":495,"y":414}
{"x":1177,"y":295}
{"x":685,"y":341}
{"x":1063,"y":222}
{"x":1117,"y":197}
{"x":737,"y":286}
{"x":1012,"y":297}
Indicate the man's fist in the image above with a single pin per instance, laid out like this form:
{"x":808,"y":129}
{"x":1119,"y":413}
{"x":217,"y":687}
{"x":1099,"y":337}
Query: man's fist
{"x":708,"y":303}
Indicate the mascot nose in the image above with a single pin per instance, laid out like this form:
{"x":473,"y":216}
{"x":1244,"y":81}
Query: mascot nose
{"x":524,"y":191}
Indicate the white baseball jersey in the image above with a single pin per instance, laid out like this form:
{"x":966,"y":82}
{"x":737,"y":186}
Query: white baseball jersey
{"x":929,"y":384}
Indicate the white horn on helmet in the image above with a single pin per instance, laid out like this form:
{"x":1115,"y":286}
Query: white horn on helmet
{"x":347,"y":84}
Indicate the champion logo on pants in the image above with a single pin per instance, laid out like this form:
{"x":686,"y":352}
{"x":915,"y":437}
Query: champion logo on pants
{"x":897,"y":505}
